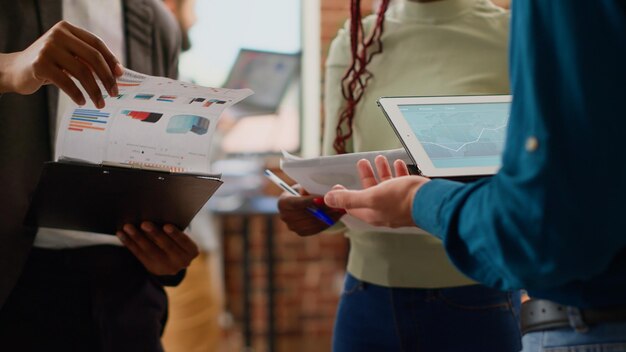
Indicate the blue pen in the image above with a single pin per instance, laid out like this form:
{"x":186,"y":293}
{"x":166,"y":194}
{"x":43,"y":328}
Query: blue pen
{"x":318,"y":213}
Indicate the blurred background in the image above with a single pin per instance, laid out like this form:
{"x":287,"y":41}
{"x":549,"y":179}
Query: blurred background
{"x":257,"y":286}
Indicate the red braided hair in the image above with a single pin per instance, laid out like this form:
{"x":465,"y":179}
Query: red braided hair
{"x":357,"y":77}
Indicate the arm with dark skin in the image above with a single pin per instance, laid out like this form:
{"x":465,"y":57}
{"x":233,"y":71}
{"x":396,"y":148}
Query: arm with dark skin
{"x":162,"y":251}
{"x":293,"y":211}
{"x":63,"y":52}
{"x":66,"y":52}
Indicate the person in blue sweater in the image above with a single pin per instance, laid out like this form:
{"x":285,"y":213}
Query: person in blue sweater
{"x":553,"y":219}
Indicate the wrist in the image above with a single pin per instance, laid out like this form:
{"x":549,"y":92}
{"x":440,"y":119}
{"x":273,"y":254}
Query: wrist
{"x":7,"y":81}
{"x":412,"y":192}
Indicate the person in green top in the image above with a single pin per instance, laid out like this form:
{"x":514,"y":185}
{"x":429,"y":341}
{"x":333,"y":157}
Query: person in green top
{"x":401,"y":291}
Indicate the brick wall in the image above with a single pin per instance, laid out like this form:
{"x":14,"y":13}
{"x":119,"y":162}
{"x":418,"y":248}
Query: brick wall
{"x":334,"y":15}
{"x":308,"y":277}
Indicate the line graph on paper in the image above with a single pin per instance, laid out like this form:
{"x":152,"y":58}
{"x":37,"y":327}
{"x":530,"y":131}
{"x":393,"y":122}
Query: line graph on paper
{"x":461,"y":135}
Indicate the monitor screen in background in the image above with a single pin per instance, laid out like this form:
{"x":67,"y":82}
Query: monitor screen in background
{"x":267,"y":74}
{"x":222,"y":29}
{"x":460,"y":135}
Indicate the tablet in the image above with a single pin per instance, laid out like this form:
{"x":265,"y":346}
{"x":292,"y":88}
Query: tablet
{"x":452,"y":136}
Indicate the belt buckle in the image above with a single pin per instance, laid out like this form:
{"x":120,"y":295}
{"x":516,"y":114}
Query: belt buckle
{"x":540,"y":315}
{"x":576,"y":320}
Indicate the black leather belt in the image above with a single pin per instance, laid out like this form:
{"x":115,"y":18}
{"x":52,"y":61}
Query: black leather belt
{"x":539,"y":314}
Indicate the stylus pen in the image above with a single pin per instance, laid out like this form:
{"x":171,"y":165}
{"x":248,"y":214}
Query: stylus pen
{"x":318,"y":213}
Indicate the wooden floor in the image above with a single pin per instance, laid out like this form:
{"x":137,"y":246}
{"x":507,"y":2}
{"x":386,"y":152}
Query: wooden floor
{"x":233,"y":342}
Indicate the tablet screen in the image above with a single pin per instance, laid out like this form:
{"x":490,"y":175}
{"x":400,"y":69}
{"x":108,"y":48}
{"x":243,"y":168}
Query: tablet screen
{"x":459,"y":135}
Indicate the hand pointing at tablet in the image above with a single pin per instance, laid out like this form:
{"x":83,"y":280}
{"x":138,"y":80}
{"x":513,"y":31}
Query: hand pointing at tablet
{"x":385,"y":203}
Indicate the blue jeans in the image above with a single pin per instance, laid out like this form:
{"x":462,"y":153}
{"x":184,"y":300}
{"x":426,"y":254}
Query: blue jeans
{"x":599,"y":338}
{"x":460,"y":319}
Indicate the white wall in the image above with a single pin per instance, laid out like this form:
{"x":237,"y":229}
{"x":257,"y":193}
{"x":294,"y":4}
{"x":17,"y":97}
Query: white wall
{"x":311,"y":78}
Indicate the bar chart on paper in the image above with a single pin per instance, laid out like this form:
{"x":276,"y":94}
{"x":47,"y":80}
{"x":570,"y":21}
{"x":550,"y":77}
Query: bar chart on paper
{"x":86,"y":119}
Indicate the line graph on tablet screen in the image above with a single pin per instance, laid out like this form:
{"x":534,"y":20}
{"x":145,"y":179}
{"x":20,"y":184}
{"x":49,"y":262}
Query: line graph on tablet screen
{"x":460,"y":135}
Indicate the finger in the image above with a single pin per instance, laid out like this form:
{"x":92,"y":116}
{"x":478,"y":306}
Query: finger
{"x":98,"y":44}
{"x":163,"y":241}
{"x":182,"y":240}
{"x":174,"y":256}
{"x":83,"y":74}
{"x":334,"y":214}
{"x":303,"y":218}
{"x":366,"y":173}
{"x":291,"y":203}
{"x":149,"y":248}
{"x":345,"y":199}
{"x":400,"y":168}
{"x":319,"y":202}
{"x":338,"y":188}
{"x":309,"y":216}
{"x":134,"y":248}
{"x":65,"y":83}
{"x":383,"y":168}
{"x":307,"y":229}
{"x":94,"y":59}
{"x":300,"y":190}
{"x":301,"y":223}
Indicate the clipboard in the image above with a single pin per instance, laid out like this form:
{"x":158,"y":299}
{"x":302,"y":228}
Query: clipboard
{"x":101,"y":199}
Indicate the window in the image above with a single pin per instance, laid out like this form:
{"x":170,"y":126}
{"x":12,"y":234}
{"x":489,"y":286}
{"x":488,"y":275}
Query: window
{"x":222,"y":30}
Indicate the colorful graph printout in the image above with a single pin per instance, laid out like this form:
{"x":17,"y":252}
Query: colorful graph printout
{"x":133,"y":130}
{"x":87,"y":119}
{"x":143,"y":116}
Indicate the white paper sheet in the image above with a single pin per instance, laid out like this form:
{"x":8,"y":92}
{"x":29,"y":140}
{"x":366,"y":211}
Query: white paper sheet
{"x":319,"y":175}
{"x":154,"y":122}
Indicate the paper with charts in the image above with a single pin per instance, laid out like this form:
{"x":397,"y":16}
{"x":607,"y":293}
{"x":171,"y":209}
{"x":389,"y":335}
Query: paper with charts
{"x":319,"y":175}
{"x":154,"y":122}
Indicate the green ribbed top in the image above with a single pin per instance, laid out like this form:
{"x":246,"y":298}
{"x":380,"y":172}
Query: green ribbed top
{"x":450,"y":47}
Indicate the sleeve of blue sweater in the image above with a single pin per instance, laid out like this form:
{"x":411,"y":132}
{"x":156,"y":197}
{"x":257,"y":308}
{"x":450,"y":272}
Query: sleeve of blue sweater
{"x":555,"y":213}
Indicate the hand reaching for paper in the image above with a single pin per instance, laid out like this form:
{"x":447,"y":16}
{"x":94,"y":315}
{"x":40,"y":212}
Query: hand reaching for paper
{"x":387,"y":203}
{"x":293,"y":211}
{"x":162,"y":251}
{"x":63,"y":52}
